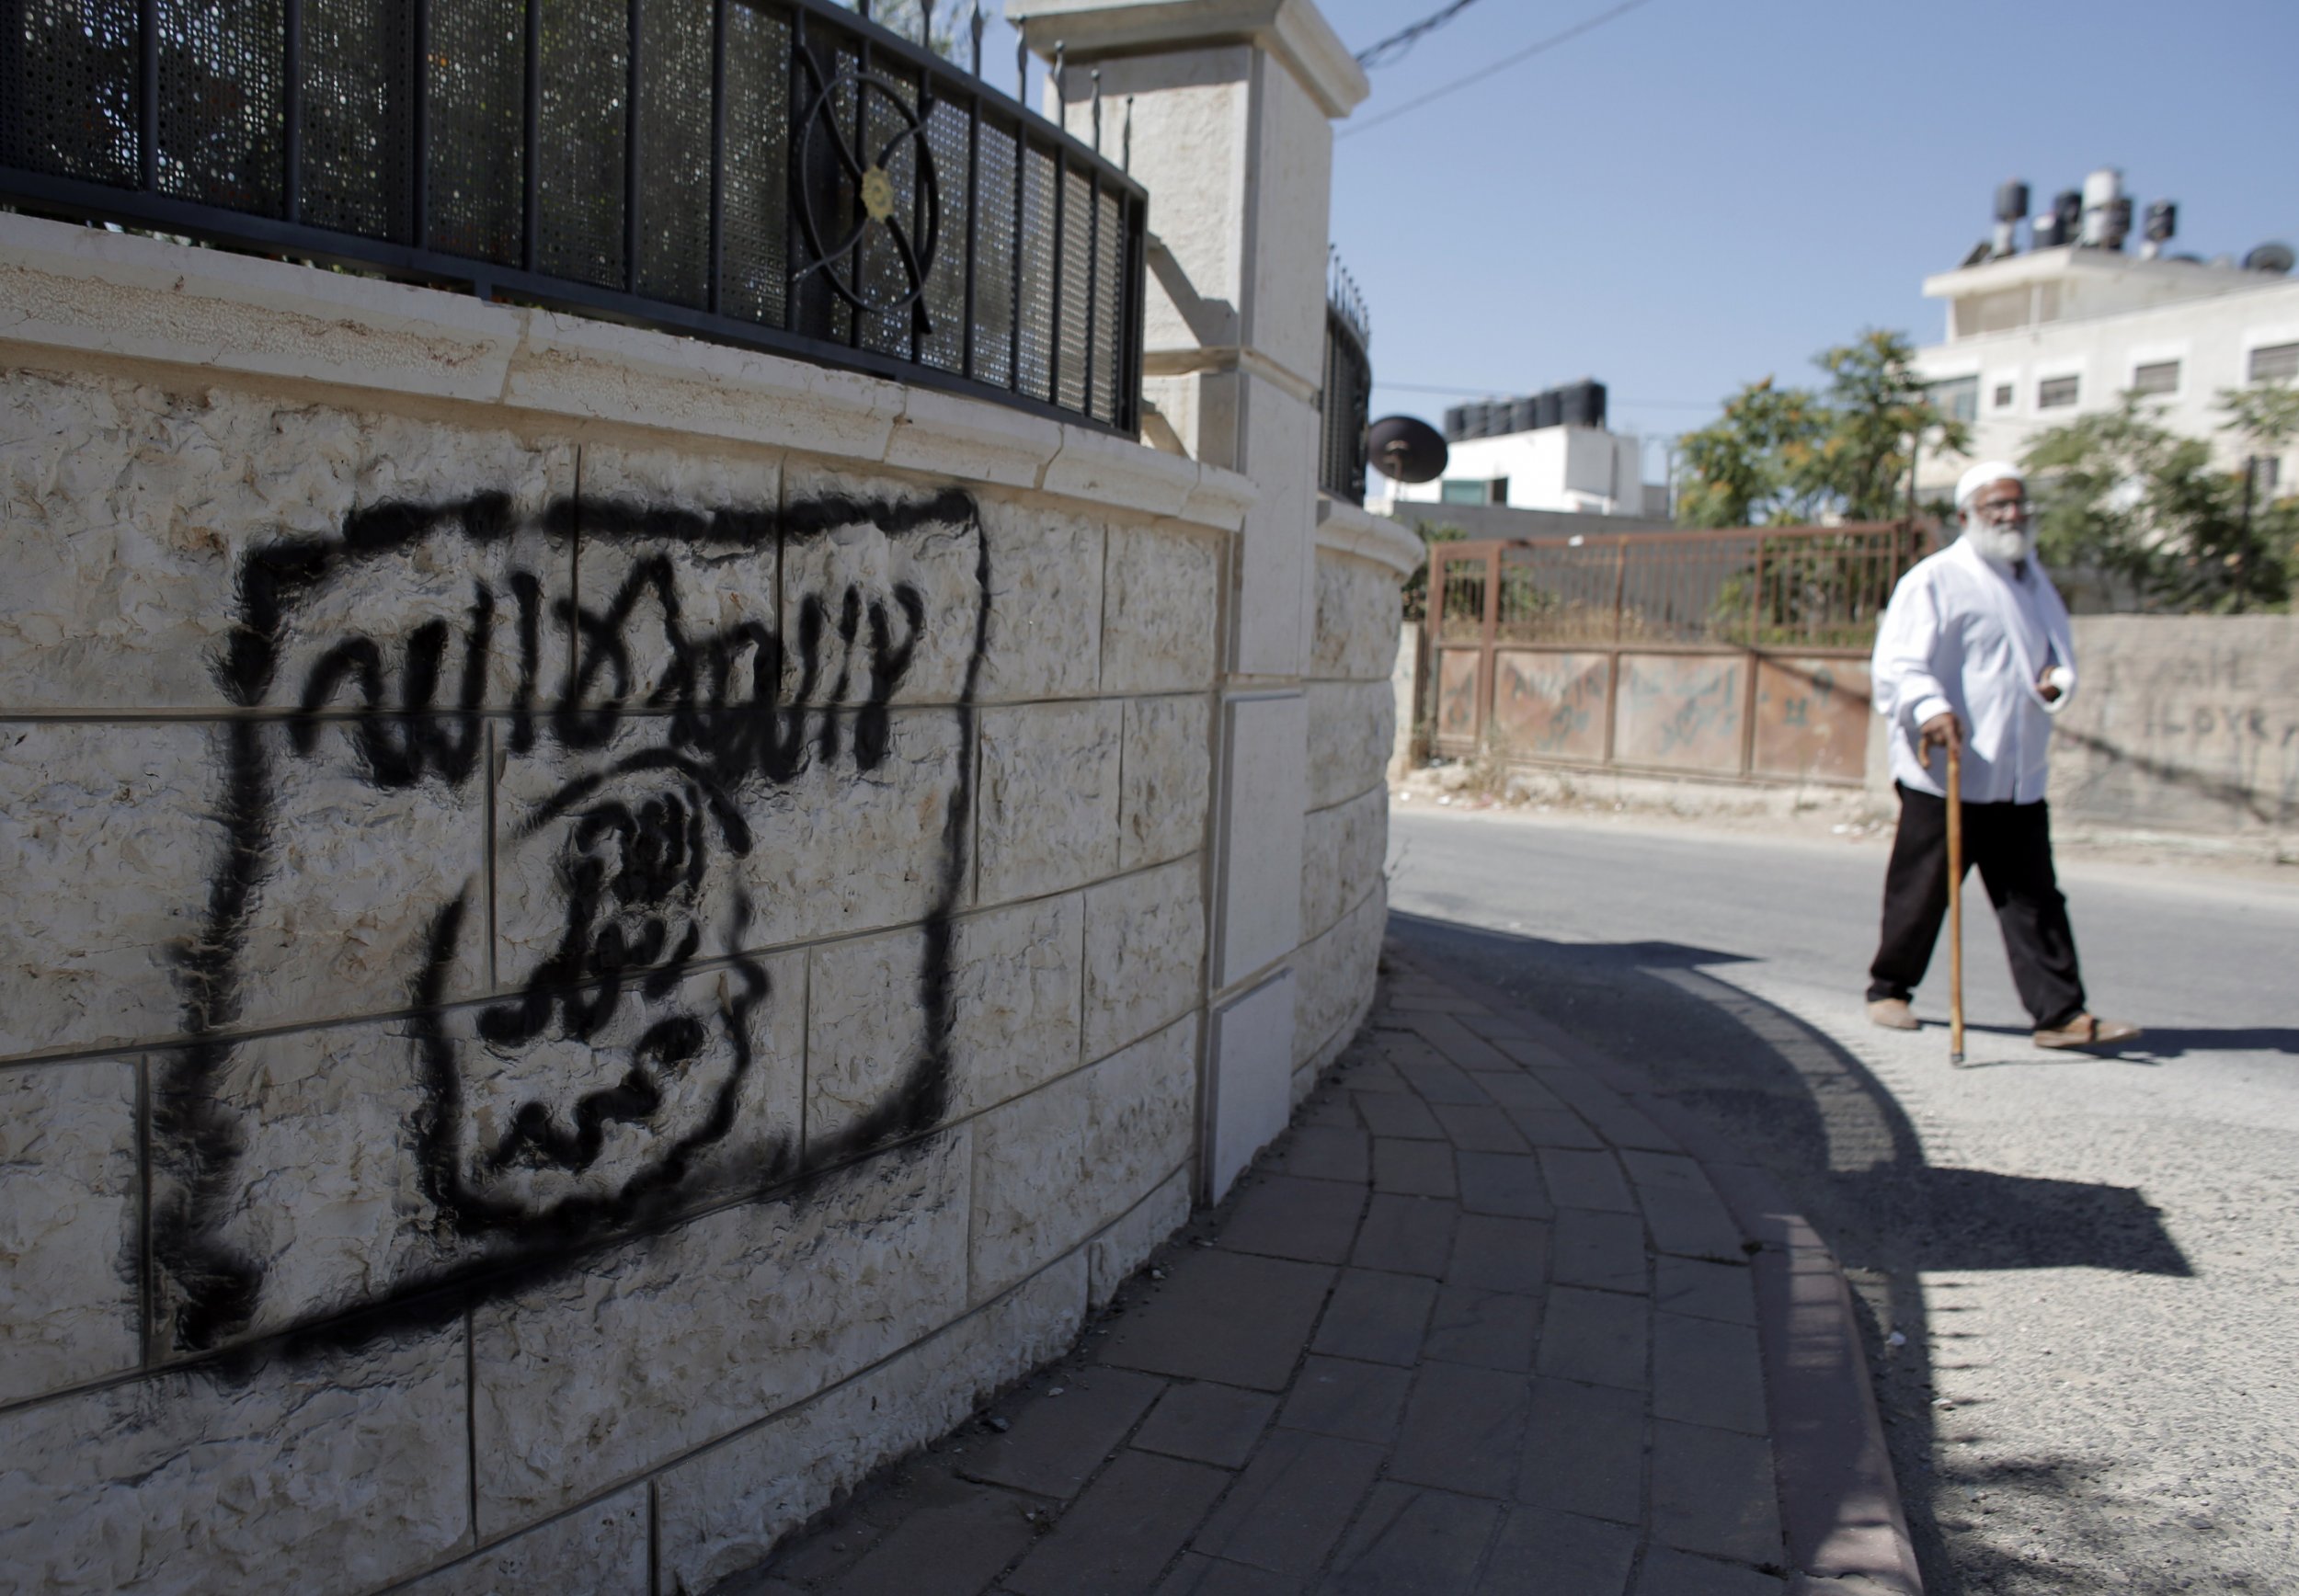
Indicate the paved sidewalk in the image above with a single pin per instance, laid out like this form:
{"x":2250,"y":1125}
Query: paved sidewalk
{"x":1479,"y":1323}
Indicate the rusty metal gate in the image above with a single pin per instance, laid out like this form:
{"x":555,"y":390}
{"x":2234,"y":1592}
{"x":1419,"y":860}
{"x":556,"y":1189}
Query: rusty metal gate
{"x":1742,"y":652}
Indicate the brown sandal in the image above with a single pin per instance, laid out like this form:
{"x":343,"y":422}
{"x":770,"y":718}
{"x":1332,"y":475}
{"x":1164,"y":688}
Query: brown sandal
{"x":2087,"y":1031}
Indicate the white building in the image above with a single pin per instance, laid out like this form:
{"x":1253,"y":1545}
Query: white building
{"x":1549,"y":452}
{"x":2037,"y":339}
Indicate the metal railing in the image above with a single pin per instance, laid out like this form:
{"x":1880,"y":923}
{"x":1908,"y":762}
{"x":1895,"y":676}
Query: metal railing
{"x":783,"y":175}
{"x":1737,"y":652}
{"x":1346,"y":392}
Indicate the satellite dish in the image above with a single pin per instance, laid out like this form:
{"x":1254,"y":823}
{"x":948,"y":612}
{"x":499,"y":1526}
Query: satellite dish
{"x":2270,"y":257}
{"x":1405,"y":448}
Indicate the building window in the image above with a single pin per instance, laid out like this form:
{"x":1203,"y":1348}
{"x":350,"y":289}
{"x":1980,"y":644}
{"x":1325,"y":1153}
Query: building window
{"x":1958,"y":398}
{"x":2002,"y":396}
{"x":1499,"y":487}
{"x":2157,"y":377}
{"x":2275,"y":363}
{"x":2055,"y":392}
{"x":1456,"y":490}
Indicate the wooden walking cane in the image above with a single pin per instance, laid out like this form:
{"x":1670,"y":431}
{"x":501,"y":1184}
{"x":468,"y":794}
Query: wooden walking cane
{"x":1955,"y":901}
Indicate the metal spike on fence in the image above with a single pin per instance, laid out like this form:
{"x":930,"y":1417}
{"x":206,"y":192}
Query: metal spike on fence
{"x":926,"y":24}
{"x":1061,"y":85}
{"x":1021,"y":69}
{"x":975,"y":24}
{"x":1125,"y":141}
{"x":1097,"y":111}
{"x":863,"y":7}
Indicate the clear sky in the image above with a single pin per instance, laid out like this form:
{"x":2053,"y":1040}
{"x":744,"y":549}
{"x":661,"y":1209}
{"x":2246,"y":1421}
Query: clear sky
{"x":1697,"y":193}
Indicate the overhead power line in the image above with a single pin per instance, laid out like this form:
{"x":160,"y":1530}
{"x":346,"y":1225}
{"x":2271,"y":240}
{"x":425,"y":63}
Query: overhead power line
{"x":1398,"y":45}
{"x":1506,"y":61}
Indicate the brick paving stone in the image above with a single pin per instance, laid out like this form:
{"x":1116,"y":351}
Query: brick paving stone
{"x":1619,"y":1123}
{"x":1667,"y":1171}
{"x":1374,"y":1075}
{"x":1705,"y":1289}
{"x":1479,"y":1128}
{"x":1378,"y":1318}
{"x":1198,"y":1575}
{"x":1056,"y":1442}
{"x":1488,"y":1328}
{"x":1505,"y":1184}
{"x":1207,"y":1423}
{"x":1492,"y":1025}
{"x":1668,"y":1572}
{"x":1397,"y":1113}
{"x":1292,"y":1503}
{"x":1714,"y":1491}
{"x":1413,"y":1542}
{"x":1127,"y":1527}
{"x":951,"y":1545}
{"x":1497,"y":1254}
{"x":1458,"y":1042}
{"x":1556,"y":1128}
{"x":1464,"y":1431}
{"x":1283,"y":1216}
{"x":1603,"y":1251}
{"x":1193,"y":1326}
{"x":1540,"y":1550}
{"x":1597,"y":1336}
{"x":1705,"y":1373}
{"x":1442,"y":1083}
{"x":1329,"y":1151}
{"x":1522,"y":1091}
{"x":1580,"y":1179}
{"x":1584,"y":1451}
{"x":1342,"y":1397}
{"x":1405,"y":1235}
{"x":1692,"y":1225}
{"x":1328,"y":1107}
{"x":1413,"y":1169}
{"x":1531,"y":1054}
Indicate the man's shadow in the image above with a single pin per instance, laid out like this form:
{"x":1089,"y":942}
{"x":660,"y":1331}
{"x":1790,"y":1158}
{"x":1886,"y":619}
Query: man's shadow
{"x":1823,"y":1124}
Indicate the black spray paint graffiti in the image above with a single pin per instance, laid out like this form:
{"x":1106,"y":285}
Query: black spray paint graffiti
{"x":601,"y":1089}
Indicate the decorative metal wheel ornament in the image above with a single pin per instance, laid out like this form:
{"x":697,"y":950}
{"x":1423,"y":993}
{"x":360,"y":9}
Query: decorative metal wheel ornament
{"x":915,"y":239}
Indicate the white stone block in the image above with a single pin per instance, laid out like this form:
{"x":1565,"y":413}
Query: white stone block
{"x":1160,"y":620}
{"x":1359,"y":609}
{"x":1250,"y":1065}
{"x":721,"y":1511}
{"x":1271,"y":605}
{"x":662,"y":1345}
{"x":1118,"y":472}
{"x":1145,"y":951}
{"x":1126,"y":1244}
{"x":1164,"y":782}
{"x":1052,"y":1167}
{"x":1012,"y":1011}
{"x":1337,"y":974}
{"x":1259,"y":866}
{"x":69,"y":1230}
{"x":1048,"y":798}
{"x":599,"y":1549}
{"x":1342,"y":856}
{"x":950,"y":435}
{"x":887,"y":580}
{"x":111,"y":841}
{"x":327,"y":1471}
{"x":138,"y":523}
{"x":1352,"y":726}
{"x":1045,"y":603}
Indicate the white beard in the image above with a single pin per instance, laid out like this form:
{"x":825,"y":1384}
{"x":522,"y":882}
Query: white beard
{"x":1999,"y":544}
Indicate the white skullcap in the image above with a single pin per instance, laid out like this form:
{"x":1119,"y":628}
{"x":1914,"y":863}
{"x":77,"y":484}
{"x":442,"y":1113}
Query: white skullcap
{"x":1980,"y":475}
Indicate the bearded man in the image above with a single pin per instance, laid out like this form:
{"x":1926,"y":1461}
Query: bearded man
{"x":1975,"y":652}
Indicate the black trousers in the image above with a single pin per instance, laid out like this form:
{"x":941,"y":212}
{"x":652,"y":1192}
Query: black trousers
{"x":2011,"y":843}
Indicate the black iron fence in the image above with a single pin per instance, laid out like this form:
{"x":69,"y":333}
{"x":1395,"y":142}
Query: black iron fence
{"x":1347,"y":390}
{"x":780,"y":174}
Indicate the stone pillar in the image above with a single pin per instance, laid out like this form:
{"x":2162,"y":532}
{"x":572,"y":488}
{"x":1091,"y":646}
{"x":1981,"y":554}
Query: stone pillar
{"x":1232,"y":102}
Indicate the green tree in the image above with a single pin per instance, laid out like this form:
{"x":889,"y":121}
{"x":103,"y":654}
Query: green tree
{"x":2131,"y":505}
{"x":1789,"y":455}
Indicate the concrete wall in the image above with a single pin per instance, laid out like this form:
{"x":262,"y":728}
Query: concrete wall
{"x":2182,"y":724}
{"x":600,"y":933}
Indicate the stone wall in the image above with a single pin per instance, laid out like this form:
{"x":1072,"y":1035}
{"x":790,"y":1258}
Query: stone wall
{"x":600,"y":933}
{"x":2182,"y":724}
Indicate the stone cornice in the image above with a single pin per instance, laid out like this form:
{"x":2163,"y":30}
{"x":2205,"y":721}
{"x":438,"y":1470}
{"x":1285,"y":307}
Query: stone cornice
{"x":1346,"y":528}
{"x":1294,"y":31}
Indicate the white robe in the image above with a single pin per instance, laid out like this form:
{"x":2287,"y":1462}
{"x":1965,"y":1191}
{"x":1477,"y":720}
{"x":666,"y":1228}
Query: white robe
{"x":1961,"y":634}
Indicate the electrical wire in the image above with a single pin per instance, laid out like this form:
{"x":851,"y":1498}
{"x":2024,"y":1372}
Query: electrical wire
{"x":1506,"y":61}
{"x":1400,"y":43}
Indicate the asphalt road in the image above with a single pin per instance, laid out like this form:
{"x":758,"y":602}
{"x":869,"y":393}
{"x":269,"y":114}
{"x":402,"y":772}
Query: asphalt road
{"x":2094,"y":1262}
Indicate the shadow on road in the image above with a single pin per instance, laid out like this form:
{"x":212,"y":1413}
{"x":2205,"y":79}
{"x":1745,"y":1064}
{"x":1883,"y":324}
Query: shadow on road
{"x":1846,"y":1150}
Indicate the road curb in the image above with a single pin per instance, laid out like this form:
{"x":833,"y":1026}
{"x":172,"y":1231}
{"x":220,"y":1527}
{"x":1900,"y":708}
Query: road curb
{"x":1840,"y":1510}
